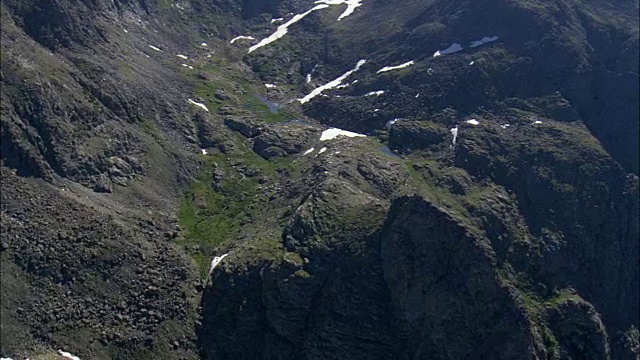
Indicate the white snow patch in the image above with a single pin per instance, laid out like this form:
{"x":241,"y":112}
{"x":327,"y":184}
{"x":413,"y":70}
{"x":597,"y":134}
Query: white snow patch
{"x":68,"y":355}
{"x":473,"y":122}
{"x":322,"y":150}
{"x":332,"y":133}
{"x":376,"y":110}
{"x":190,"y":67}
{"x":204,"y":44}
{"x":125,"y":30}
{"x":270,"y":86}
{"x":504,"y":126}
{"x":204,"y":151}
{"x":351,"y":6}
{"x":417,"y":95}
{"x":332,"y":84}
{"x":155,"y":48}
{"x":216,"y":261}
{"x":454,"y":48}
{"x":536,"y":122}
{"x":308,"y":80}
{"x":276,"y":20}
{"x":375,"y":93}
{"x":283,"y":29}
{"x":454,"y":132}
{"x":308,"y":152}
{"x":389,"y":68}
{"x":241,"y":37}
{"x":182,"y":56}
{"x":185,"y":65}
{"x":483,"y":41}
{"x":198,"y":105}
{"x":471,"y":63}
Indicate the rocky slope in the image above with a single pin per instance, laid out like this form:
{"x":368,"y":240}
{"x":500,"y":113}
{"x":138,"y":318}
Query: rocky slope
{"x":491,"y":212}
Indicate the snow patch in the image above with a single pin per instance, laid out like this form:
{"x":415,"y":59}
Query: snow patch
{"x":204,"y":151}
{"x":270,"y":86}
{"x":389,"y":68}
{"x":351,"y":6}
{"x":125,"y":30}
{"x":473,"y":122}
{"x":454,"y":48}
{"x":68,"y":355}
{"x":454,"y":132}
{"x":471,"y":63}
{"x":182,"y":56}
{"x":308,"y":152}
{"x":241,"y":38}
{"x":504,"y":126}
{"x":155,"y":48}
{"x":215,"y":262}
{"x":375,"y":93}
{"x":276,"y":20}
{"x":331,"y":84}
{"x":376,"y":110}
{"x":284,"y":28}
{"x":198,"y":105}
{"x":332,"y":133}
{"x":417,"y":95}
{"x":483,"y":41}
{"x":536,"y":122}
{"x":204,"y":44}
{"x":322,"y":150}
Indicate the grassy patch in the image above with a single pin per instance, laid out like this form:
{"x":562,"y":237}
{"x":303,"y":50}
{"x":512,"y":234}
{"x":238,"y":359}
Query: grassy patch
{"x":245,"y":95}
{"x":210,"y":217}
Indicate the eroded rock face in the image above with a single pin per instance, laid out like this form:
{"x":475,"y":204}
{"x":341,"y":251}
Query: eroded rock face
{"x":279,"y":140}
{"x":443,"y":284}
{"x":579,"y":330}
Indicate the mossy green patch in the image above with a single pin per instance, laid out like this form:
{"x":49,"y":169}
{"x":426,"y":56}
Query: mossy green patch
{"x":210,"y":215}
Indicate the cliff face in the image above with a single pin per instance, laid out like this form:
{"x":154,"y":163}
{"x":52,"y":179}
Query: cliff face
{"x":447,"y":293}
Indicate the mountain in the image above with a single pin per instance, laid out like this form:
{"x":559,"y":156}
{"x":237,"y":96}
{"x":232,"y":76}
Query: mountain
{"x":357,"y":179}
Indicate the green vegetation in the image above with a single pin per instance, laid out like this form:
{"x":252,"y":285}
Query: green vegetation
{"x":208,"y":216}
{"x":244,"y":95}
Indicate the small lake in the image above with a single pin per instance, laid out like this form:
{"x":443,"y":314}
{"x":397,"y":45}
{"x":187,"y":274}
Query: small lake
{"x":387,"y":151}
{"x":273,"y":107}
